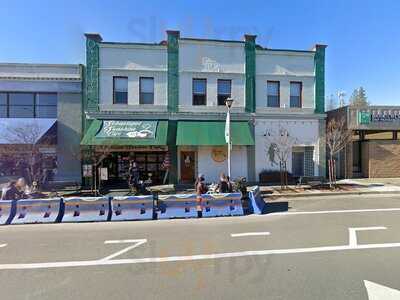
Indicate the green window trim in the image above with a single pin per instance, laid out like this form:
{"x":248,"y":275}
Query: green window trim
{"x":250,"y":72}
{"x":319,"y":62}
{"x":173,"y":70}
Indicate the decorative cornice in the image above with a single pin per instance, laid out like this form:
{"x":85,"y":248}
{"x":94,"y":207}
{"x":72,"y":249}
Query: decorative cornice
{"x":124,"y":115}
{"x":133,"y":46}
{"x":130,"y":70}
{"x":24,"y":78}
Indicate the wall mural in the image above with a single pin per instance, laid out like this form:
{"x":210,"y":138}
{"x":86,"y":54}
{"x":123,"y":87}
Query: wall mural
{"x":278,"y":145}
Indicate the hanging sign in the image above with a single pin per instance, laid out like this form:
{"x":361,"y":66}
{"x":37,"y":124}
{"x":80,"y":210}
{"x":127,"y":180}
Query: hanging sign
{"x":128,"y":129}
{"x":104,"y":173}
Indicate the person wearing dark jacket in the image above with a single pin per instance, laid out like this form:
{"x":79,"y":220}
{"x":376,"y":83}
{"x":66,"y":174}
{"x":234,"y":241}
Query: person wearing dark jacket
{"x":133,"y":179}
{"x":201,"y":189}
{"x":223,"y":186}
{"x":14,"y":190}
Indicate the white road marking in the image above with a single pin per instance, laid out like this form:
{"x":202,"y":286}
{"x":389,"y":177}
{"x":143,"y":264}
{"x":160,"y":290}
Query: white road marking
{"x":137,"y":244}
{"x":353,"y":233}
{"x":293,"y":213}
{"x":380,"y":292}
{"x":2,"y":245}
{"x":249,"y":234}
{"x":103,"y":262}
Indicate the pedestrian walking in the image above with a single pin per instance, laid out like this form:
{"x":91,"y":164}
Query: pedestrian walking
{"x":201,"y":189}
{"x":133,"y":178}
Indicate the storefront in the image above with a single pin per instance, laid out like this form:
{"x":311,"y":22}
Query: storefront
{"x":374,"y":149}
{"x":202,"y":149}
{"x":114,"y":144}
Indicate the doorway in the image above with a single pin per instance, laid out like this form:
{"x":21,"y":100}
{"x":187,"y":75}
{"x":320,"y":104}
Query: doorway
{"x":187,"y":161}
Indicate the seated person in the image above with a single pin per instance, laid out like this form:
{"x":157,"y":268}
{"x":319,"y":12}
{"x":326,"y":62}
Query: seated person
{"x":15,"y":190}
{"x":223,"y":186}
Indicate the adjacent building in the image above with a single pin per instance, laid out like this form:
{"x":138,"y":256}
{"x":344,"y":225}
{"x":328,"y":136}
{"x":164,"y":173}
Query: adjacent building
{"x":41,"y":105}
{"x":162,"y":105}
{"x":374,"y":149}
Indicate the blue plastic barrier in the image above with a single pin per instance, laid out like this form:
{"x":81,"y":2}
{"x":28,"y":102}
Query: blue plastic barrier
{"x":132,"y":208}
{"x":215,"y":205}
{"x":37,"y":211}
{"x":7,"y":211}
{"x":91,"y":209}
{"x":177,"y":206}
{"x":257,"y":204}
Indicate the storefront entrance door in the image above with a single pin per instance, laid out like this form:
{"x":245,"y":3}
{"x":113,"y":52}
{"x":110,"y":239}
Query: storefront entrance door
{"x":187,"y":166}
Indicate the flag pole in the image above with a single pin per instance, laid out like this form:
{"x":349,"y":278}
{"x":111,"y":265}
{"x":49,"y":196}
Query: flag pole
{"x":229,"y":143}
{"x":228,"y":139}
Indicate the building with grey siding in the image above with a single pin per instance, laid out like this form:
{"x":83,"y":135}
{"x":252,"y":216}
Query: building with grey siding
{"x":47,"y":97}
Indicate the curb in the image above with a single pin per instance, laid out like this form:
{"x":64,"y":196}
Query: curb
{"x":302,"y":195}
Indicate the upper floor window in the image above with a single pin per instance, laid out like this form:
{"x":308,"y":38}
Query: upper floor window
{"x":273,"y":94}
{"x":120,"y":90}
{"x":46,"y":105}
{"x":21,"y":105}
{"x":28,"y":105}
{"x":295,"y":94}
{"x":3,"y":105}
{"x":224,"y":90}
{"x":146,"y":87}
{"x":199,"y":91}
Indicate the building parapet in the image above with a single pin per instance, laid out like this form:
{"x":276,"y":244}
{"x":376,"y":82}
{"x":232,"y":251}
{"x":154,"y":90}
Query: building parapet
{"x":47,"y":72}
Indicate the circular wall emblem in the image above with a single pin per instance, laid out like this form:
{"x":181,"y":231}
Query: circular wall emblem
{"x":219,"y":154}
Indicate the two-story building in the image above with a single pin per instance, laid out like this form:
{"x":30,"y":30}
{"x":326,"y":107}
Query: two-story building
{"x":164,"y":104}
{"x":40,"y":121}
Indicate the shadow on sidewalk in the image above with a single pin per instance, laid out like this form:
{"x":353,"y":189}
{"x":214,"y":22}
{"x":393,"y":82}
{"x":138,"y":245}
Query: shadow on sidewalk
{"x":280,"y":206}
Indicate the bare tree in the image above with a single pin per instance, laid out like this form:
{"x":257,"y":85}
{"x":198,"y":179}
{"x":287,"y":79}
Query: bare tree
{"x":27,"y":138}
{"x":280,"y":144}
{"x":337,"y":137}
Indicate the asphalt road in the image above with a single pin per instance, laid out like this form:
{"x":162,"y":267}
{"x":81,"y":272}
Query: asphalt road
{"x":305,"y":253}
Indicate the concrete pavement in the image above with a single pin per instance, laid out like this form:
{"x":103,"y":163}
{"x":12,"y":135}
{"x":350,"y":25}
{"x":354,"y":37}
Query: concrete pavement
{"x":305,"y":253}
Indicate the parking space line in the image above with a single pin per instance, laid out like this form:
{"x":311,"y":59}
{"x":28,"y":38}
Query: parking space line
{"x":353,"y":233}
{"x":103,"y":262}
{"x":137,"y":243}
{"x":2,"y":245}
{"x":293,"y":213}
{"x":250,"y":234}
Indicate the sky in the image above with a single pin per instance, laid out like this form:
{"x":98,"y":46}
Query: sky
{"x":362,"y":36}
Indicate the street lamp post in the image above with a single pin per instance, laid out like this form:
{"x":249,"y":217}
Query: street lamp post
{"x":228,"y":103}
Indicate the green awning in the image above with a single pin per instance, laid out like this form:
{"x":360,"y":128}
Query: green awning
{"x":126,"y":133}
{"x":212,"y":133}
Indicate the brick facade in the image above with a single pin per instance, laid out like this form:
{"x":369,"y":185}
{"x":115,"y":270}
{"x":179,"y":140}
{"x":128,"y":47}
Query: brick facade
{"x":380,"y":159}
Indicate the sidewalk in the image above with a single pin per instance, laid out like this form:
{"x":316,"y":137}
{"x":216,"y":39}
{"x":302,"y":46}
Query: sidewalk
{"x":344,"y":187}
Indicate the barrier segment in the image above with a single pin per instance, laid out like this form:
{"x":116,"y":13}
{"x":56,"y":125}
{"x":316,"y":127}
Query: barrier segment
{"x":257,"y":203}
{"x":177,"y":206}
{"x":92,"y":209}
{"x":132,"y":208}
{"x":7,"y":211}
{"x":215,"y":205}
{"x":37,"y":211}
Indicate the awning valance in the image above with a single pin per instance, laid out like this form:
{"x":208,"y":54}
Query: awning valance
{"x":212,"y":133}
{"x":126,"y":133}
{"x":24,"y":131}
